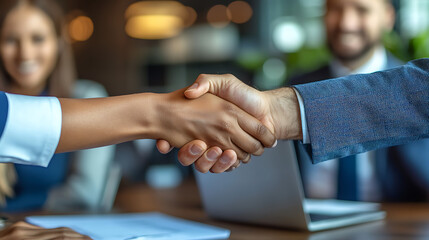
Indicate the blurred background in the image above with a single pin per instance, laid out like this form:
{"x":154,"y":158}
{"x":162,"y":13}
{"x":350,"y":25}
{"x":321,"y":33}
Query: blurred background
{"x":133,"y":46}
{"x":160,"y":46}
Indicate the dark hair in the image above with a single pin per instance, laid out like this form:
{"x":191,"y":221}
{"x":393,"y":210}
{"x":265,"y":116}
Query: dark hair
{"x":61,"y":80}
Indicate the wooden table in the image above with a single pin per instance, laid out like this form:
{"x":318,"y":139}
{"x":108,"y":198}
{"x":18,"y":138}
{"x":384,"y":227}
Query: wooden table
{"x":404,"y":221}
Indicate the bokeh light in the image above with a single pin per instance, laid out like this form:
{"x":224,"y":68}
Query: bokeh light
{"x":288,"y":36}
{"x":191,"y":17}
{"x":239,"y":12}
{"x":217,"y":16}
{"x":274,"y":68}
{"x":81,"y":28}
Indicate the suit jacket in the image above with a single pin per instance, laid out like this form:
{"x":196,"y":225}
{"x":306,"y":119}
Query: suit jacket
{"x":342,"y":120}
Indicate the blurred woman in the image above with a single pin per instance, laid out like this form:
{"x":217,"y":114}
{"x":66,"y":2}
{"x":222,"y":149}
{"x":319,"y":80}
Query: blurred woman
{"x":36,"y":59}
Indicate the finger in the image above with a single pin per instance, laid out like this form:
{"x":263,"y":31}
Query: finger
{"x":191,"y":151}
{"x":235,"y":166}
{"x":27,"y":225}
{"x":245,"y":145}
{"x":247,"y":160}
{"x":257,"y":130}
{"x":241,"y":154}
{"x":163,"y":146}
{"x":58,"y":233}
{"x":227,"y":160}
{"x":209,"y":158}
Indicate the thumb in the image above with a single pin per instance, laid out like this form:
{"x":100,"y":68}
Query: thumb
{"x":225,"y":86}
{"x":199,"y":88}
{"x":230,"y":89}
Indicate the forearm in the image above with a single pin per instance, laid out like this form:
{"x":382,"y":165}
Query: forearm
{"x":359,"y":113}
{"x":88,"y":123}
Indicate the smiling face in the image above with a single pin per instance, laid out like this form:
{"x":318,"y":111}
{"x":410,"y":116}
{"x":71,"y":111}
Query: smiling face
{"x":28,"y":48}
{"x":355,"y":27}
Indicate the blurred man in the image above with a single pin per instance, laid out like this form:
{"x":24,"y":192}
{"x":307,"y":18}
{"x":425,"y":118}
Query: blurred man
{"x":354,"y":35}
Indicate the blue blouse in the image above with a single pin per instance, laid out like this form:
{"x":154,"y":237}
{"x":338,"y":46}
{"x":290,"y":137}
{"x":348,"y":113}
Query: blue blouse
{"x":34,"y":183}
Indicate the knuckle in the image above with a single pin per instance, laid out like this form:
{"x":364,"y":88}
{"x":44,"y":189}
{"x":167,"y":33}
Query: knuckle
{"x":226,"y":125}
{"x":261,"y":130}
{"x":229,"y":108}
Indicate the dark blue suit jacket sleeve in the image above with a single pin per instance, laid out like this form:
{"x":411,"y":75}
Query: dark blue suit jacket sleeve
{"x":360,"y":113}
{"x":4,"y":106}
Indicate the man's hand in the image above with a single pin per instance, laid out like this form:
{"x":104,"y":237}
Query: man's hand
{"x":22,"y":230}
{"x":276,"y":109}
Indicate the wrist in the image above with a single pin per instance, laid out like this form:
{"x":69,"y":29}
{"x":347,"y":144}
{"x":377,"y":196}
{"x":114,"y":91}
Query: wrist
{"x":285,"y":113}
{"x":148,"y":115}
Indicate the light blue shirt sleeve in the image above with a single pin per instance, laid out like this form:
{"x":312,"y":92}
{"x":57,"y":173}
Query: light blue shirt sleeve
{"x":32,"y":130}
{"x":305,"y":134}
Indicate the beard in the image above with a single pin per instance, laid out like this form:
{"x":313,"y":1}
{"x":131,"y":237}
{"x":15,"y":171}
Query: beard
{"x":351,"y":56}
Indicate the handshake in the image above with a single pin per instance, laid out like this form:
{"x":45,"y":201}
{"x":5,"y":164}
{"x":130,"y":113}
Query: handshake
{"x":229,"y":121}
{"x":219,"y":121}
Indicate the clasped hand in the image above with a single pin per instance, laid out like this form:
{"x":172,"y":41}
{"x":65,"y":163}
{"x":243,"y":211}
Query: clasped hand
{"x":269,"y":108}
{"x":219,"y":124}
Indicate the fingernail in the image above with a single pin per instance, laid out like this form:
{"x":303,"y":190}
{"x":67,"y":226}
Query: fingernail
{"x":194,"y":86}
{"x":224,"y":160}
{"x":212,"y":155}
{"x":274,"y":145}
{"x":196,"y":150}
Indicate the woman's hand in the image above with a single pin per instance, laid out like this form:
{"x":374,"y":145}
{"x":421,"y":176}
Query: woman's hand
{"x":7,"y":180}
{"x":23,"y":230}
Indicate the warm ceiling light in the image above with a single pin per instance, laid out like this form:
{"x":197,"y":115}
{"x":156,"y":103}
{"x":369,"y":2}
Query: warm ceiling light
{"x":155,"y":19}
{"x":217,"y":16}
{"x":153,"y":26}
{"x":239,"y":12}
{"x":156,"y":8}
{"x":81,"y":28}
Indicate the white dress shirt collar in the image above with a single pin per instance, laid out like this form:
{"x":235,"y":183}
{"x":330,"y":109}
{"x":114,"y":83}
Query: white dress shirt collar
{"x":377,"y":62}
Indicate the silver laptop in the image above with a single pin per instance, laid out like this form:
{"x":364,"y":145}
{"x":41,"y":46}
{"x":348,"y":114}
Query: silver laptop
{"x":269,"y":191}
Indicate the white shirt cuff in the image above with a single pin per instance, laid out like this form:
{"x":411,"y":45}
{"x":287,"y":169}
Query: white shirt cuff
{"x":32,"y":130}
{"x":305,"y":135}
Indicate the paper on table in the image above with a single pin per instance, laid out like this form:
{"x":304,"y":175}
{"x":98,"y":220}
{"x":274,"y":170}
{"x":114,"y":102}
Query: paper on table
{"x":139,"y":226}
